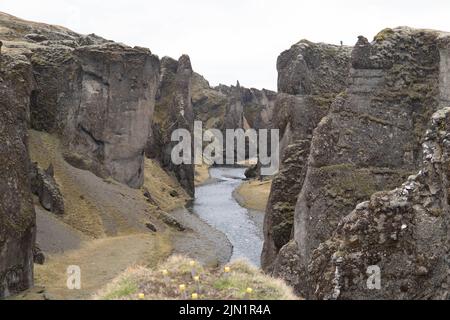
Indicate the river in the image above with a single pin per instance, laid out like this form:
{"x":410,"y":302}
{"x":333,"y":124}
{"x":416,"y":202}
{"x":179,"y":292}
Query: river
{"x":214,"y":203}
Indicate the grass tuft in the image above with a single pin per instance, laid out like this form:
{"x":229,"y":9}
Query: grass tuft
{"x":243,"y":282}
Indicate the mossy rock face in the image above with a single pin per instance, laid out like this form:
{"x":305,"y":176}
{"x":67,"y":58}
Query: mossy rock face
{"x":17,"y":216}
{"x":370,"y":141}
{"x":384,"y":34}
{"x":400,"y":232}
{"x":310,"y":77}
{"x":313,"y":68}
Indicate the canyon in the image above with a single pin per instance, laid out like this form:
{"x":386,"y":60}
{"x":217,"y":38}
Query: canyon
{"x":86,"y":145}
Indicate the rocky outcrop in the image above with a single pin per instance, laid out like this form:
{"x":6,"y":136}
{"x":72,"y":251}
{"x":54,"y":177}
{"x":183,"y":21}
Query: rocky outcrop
{"x":208,"y":103}
{"x":232,"y":107}
{"x":100,"y":99}
{"x":253,"y":171}
{"x":302,"y":102}
{"x":110,"y":109}
{"x":44,"y":186}
{"x":402,"y":234}
{"x":96,"y":94}
{"x":17,"y":216}
{"x":371,"y":139}
{"x":312,"y":68}
{"x":173,"y":111}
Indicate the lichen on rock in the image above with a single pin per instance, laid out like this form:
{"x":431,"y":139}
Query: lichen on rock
{"x":404,"y":232}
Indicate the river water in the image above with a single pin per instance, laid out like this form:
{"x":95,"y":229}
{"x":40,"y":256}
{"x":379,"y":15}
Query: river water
{"x":214,"y":203}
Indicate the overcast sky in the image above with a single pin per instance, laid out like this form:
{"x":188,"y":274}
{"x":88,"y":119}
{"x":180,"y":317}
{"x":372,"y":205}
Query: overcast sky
{"x":231,"y":40}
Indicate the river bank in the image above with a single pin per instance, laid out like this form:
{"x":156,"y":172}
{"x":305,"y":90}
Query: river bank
{"x":253,"y":194}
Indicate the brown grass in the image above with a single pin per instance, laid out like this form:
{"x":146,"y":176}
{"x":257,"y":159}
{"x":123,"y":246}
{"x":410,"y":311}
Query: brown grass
{"x":100,"y":262}
{"x":253,"y":194}
{"x":161,"y":185}
{"x":80,"y":213}
{"x":86,"y":209}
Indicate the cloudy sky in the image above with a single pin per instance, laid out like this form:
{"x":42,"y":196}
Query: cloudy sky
{"x":231,"y":40}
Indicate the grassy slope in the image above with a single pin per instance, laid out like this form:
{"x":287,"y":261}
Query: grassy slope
{"x":111,"y":217}
{"x":214,"y":284}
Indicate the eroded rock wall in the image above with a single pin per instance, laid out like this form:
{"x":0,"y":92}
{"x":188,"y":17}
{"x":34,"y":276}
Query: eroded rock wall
{"x":402,"y":233}
{"x":371,"y":139}
{"x":232,"y":107}
{"x":96,"y":94}
{"x":173,"y":111}
{"x":310,"y":76}
{"x":109,"y":111}
{"x":17,"y":216}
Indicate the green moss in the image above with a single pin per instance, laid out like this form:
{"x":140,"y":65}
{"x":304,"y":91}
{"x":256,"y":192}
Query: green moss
{"x":284,"y":207}
{"x":375,"y":119}
{"x":337,"y":167}
{"x":347,"y":183}
{"x":126,"y":287}
{"x":324,"y":100}
{"x":384,"y":34}
{"x":435,"y":212}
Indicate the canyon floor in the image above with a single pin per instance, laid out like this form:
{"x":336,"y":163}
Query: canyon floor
{"x":103,"y":230}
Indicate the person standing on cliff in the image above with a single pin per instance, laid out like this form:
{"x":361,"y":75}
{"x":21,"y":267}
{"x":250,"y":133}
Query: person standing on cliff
{"x":1,"y":44}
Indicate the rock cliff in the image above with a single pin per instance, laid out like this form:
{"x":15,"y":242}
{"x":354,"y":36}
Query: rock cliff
{"x":232,"y":107}
{"x":370,"y":141}
{"x":96,"y":94}
{"x":310,"y":76}
{"x":403,"y":232}
{"x":17,"y":216}
{"x":362,"y":189}
{"x":173,"y":111}
{"x":109,"y":112}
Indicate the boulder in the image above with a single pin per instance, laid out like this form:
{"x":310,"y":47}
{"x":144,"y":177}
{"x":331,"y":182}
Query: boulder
{"x":44,"y":186}
{"x":38,"y":256}
{"x":252,"y":172}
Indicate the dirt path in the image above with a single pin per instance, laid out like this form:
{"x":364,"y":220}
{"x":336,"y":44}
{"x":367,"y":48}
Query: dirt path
{"x":201,"y":241}
{"x":100,"y":262}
